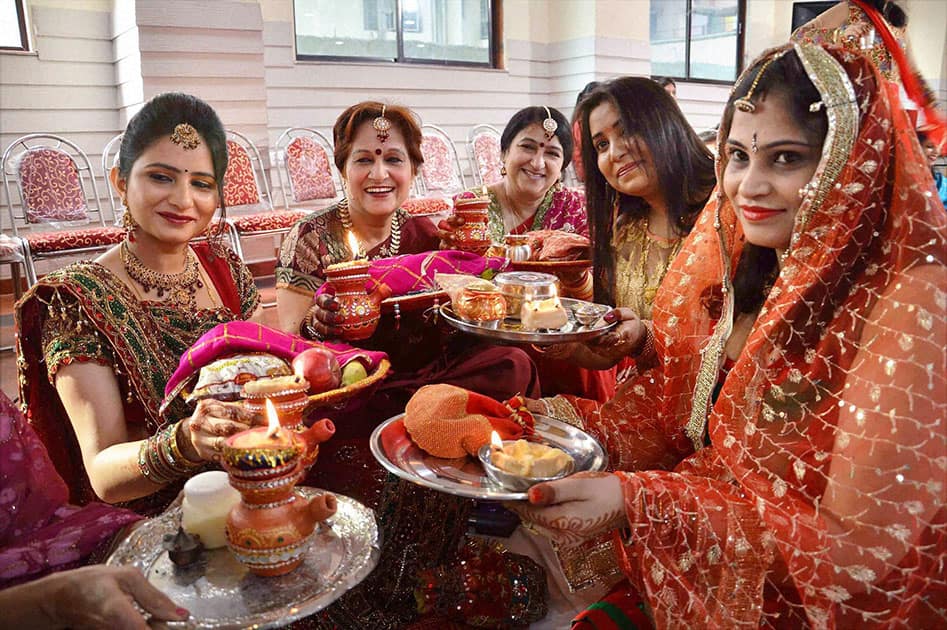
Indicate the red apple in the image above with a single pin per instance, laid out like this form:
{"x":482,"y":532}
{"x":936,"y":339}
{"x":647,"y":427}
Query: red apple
{"x":319,"y":366}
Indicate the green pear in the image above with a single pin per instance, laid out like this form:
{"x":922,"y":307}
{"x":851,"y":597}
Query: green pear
{"x":353,"y":372}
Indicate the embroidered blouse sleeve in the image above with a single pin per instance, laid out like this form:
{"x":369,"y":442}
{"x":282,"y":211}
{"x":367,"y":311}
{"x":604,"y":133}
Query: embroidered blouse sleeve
{"x":67,"y":337}
{"x":309,"y":247}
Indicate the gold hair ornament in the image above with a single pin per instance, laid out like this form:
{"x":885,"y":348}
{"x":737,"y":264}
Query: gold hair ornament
{"x":549,"y":124}
{"x":382,"y":125}
{"x":745,"y":104}
{"x":186,"y":135}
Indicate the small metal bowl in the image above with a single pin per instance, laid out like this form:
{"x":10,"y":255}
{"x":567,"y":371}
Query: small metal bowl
{"x":587,"y":313}
{"x":516,"y":483}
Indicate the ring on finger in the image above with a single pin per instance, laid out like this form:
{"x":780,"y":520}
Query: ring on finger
{"x":219,"y":444}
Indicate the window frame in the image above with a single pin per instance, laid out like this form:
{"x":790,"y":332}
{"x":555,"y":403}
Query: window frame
{"x":741,"y":38}
{"x":23,"y":27}
{"x":493,"y":47}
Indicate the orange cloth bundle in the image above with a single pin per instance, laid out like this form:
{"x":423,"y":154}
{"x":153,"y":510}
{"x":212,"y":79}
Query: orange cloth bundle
{"x":449,"y":421}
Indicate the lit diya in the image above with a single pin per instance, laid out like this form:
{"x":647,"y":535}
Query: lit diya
{"x":270,"y":530}
{"x":358,"y":312}
{"x":548,"y":313}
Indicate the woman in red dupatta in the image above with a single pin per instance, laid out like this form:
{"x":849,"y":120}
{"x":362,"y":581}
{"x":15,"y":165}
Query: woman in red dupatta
{"x":816,"y":495}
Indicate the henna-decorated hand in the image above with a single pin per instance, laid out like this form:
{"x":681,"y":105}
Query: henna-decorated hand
{"x":623,"y":340}
{"x":446,"y":228}
{"x":322,"y":317}
{"x":571,"y":510}
{"x":210,"y":424}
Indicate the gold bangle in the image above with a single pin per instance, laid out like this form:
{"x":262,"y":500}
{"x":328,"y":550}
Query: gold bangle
{"x":180,"y":459}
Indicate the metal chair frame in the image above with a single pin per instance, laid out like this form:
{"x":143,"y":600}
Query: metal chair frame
{"x":10,"y":163}
{"x":475,"y":132}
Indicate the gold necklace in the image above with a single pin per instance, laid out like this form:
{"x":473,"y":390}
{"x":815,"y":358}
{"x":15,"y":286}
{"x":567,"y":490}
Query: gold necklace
{"x":181,"y":287}
{"x":641,"y":287}
{"x":395,"y":231}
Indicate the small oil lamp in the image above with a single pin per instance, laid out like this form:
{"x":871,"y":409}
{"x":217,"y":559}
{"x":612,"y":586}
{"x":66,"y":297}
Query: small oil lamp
{"x":270,"y":530}
{"x":358,"y":312}
{"x":548,"y":313}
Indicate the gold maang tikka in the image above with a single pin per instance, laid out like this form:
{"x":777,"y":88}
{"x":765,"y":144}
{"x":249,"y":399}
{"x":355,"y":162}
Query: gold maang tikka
{"x":549,"y":124}
{"x":186,"y":135}
{"x":746,"y":105}
{"x":382,"y":125}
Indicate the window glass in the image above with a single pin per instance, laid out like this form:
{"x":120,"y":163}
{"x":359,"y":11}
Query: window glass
{"x":13,"y":25}
{"x":714,"y":29}
{"x":669,"y":38}
{"x":446,"y":30}
{"x":346,"y":28}
{"x":695,"y":39}
{"x":435,"y":31}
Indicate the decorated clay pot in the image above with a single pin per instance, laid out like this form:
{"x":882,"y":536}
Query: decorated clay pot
{"x":270,"y":530}
{"x":358,"y":312}
{"x":483,"y":306}
{"x":290,"y":404}
{"x":473,"y":235}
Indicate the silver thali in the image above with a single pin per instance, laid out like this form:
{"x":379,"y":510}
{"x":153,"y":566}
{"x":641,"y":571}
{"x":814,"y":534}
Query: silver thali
{"x":219,"y":592}
{"x":464,"y":476}
{"x":512,"y":330}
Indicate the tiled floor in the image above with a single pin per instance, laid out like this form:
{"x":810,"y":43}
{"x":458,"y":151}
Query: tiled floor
{"x":8,"y":359}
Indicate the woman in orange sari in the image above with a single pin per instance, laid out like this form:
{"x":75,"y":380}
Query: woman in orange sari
{"x":792,"y":475}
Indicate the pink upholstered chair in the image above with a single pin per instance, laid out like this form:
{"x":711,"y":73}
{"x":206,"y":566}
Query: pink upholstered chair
{"x":246,"y":187}
{"x":304,"y":164}
{"x":441,"y":173}
{"x":56,"y":210}
{"x":483,"y":151}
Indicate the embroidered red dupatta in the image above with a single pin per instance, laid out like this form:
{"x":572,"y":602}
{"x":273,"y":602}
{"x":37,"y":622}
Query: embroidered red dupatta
{"x":821,"y":502}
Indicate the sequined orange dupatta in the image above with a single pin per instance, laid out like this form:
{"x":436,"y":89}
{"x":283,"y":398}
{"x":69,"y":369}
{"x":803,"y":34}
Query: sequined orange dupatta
{"x":821,"y":501}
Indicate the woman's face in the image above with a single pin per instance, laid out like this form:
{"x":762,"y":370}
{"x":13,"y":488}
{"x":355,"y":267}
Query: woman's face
{"x":533,"y":162}
{"x":930,"y":151}
{"x":770,"y":158}
{"x":171,"y":192}
{"x":625,"y":162}
{"x":378,"y":175}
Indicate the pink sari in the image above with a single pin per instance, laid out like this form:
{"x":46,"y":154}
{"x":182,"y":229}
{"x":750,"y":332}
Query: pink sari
{"x":39,"y":531}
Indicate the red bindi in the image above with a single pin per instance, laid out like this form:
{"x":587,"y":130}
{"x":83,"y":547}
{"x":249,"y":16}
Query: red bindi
{"x":377,"y":151}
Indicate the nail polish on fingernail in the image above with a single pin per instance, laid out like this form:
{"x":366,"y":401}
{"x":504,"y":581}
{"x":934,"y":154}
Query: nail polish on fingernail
{"x":184,"y":613}
{"x":536,"y":494}
{"x":610,"y":316}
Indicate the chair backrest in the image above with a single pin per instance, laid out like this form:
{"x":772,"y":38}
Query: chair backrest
{"x":441,"y":171}
{"x":52,"y":177}
{"x":304,"y":155}
{"x":110,"y":160}
{"x":245,"y":181}
{"x":483,"y":151}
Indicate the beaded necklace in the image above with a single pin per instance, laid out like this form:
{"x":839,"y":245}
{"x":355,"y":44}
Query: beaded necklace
{"x":395,"y":243}
{"x":181,"y":287}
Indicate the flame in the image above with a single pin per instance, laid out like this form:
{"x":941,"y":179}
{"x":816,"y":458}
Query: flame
{"x":272,"y":419}
{"x":495,"y":441}
{"x":353,"y":244}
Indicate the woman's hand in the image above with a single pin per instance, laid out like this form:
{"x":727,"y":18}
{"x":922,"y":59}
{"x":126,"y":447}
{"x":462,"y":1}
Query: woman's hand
{"x":626,"y":339}
{"x":212,"y":422}
{"x":559,"y":351}
{"x":91,"y":597}
{"x":446,"y":228}
{"x":571,"y":510}
{"x":322,"y":317}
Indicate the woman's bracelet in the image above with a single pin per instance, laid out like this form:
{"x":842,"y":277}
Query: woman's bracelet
{"x":581,"y":289}
{"x":307,"y":327}
{"x":646,"y":348}
{"x":561,"y":409}
{"x":160,"y":459}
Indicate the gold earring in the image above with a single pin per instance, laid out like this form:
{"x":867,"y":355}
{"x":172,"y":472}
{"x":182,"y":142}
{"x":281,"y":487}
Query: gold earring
{"x":503,"y":171}
{"x":129,"y":224}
